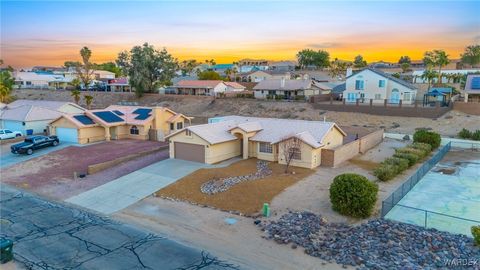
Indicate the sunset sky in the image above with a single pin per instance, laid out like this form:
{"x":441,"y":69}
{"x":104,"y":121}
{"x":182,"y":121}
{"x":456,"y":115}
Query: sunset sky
{"x":49,"y":33}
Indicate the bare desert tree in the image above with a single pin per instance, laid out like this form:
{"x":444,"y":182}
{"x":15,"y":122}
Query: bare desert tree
{"x":85,"y":69}
{"x":290,"y":148}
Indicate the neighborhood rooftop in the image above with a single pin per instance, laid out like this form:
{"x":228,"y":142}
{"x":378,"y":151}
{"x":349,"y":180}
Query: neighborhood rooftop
{"x":276,"y":84}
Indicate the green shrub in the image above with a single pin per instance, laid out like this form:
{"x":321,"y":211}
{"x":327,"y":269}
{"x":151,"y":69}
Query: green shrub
{"x":420,"y":153}
{"x":476,"y":135}
{"x":464,"y":134}
{"x":422,"y":146}
{"x":401,"y":164}
{"x":385,"y":172}
{"x":411,"y":158}
{"x":429,"y":137}
{"x":476,"y":234}
{"x":353,"y":195}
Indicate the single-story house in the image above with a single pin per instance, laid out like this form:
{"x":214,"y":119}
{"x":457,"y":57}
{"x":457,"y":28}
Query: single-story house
{"x":288,"y":89}
{"x":262,"y":138}
{"x":472,"y":88}
{"x":221,"y":68}
{"x":200,"y":87}
{"x":28,"y":119}
{"x":379,"y":86}
{"x":118,"y":122}
{"x":119,"y":85}
{"x":261,"y":75}
{"x":34,"y":116}
{"x":60,"y":106}
{"x":282,"y":65}
{"x":234,"y":87}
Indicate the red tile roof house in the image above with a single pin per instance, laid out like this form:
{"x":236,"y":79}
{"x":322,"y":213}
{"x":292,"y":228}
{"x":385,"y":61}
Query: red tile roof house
{"x":200,"y":87}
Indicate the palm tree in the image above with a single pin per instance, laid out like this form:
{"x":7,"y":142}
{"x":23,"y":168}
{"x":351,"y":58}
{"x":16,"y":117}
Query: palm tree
{"x":88,"y":101}
{"x":234,"y":72}
{"x":405,"y":67}
{"x":429,"y":75}
{"x":436,"y":58}
{"x":228,"y":72}
{"x":76,"y":95}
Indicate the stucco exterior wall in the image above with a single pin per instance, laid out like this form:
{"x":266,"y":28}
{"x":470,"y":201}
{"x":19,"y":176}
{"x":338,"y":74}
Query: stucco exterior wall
{"x":333,"y":138}
{"x":307,"y":156}
{"x":38,"y":126}
{"x":219,"y":152}
{"x":182,"y":137}
{"x":255,"y":150}
{"x":91,"y":134}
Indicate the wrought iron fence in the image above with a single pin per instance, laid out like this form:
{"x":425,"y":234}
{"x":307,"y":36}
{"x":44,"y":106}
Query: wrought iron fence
{"x":400,"y":192}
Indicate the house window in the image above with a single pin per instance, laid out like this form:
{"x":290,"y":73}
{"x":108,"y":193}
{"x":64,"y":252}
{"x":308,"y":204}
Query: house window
{"x":359,"y":85}
{"x":188,"y":133}
{"x":407,"y":96}
{"x":378,"y":96}
{"x":265,"y":148}
{"x":134,"y":130}
{"x":297,"y":154}
{"x":179,"y":125}
{"x":172,"y":126}
{"x":381,"y":83}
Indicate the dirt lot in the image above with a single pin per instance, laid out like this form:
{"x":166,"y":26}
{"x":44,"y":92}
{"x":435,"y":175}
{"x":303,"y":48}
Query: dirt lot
{"x":52,"y":174}
{"x":246,"y":197}
{"x":203,"y":107}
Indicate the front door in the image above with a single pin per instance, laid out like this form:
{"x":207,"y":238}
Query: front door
{"x":351,"y":97}
{"x":395,"y":97}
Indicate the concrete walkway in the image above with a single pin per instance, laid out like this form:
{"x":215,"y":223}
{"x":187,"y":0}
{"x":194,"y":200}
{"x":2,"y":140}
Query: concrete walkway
{"x":131,"y":188}
{"x":8,"y":159}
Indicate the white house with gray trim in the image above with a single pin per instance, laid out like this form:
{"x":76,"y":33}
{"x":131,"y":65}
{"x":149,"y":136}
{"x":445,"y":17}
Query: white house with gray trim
{"x":287,"y":89}
{"x":378,"y":86}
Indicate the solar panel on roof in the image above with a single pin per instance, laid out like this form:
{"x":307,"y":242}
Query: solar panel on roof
{"x":142,"y":111}
{"x":476,"y":83}
{"x":118,"y":112}
{"x":142,"y":116}
{"x":84,"y":119}
{"x":108,"y":116}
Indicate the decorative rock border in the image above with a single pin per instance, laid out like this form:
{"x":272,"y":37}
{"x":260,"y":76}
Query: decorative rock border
{"x":377,"y":244}
{"x":223,"y":184}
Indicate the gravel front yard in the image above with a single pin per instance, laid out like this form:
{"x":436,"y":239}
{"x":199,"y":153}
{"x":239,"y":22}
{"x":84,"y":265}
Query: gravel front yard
{"x":245,"y":197}
{"x":53,"y":171}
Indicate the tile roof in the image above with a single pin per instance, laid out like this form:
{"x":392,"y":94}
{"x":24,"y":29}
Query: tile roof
{"x":198,"y":83}
{"x":276,"y":84}
{"x":388,"y":76}
{"x":234,"y":85}
{"x":270,"y":130}
{"x":27,"y":113}
{"x":52,"y":105}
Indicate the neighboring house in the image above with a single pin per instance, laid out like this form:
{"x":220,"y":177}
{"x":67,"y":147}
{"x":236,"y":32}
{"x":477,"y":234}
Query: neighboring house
{"x":27,"y":119}
{"x":338,"y":90}
{"x":472,"y":88}
{"x":234,"y":87}
{"x":118,"y":122}
{"x":119,"y":85}
{"x":103,"y":74}
{"x":33,"y":116}
{"x":288,"y":89}
{"x":262,"y":138}
{"x":60,"y":106}
{"x":326,"y":87}
{"x":250,"y":65}
{"x":417,"y":75}
{"x":282,"y":65}
{"x":43,"y":80}
{"x":259,"y":75}
{"x":200,"y":87}
{"x":221,"y":68}
{"x":378,"y":86}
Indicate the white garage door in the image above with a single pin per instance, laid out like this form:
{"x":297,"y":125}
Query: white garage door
{"x":67,"y":134}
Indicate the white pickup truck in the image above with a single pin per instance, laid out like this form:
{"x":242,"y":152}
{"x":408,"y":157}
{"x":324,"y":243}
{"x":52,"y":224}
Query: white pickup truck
{"x":8,"y":134}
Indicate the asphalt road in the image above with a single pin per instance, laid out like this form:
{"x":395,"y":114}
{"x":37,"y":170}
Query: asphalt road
{"x":50,"y":235}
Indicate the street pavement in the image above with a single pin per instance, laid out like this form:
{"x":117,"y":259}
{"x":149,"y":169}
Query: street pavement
{"x":131,"y":188}
{"x":50,"y":235}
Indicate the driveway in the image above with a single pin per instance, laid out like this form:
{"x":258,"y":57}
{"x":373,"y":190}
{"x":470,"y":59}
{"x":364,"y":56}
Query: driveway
{"x":49,"y":235}
{"x":131,"y":188}
{"x":8,"y":159}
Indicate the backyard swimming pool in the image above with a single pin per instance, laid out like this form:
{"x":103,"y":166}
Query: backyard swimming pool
{"x":450,"y":189}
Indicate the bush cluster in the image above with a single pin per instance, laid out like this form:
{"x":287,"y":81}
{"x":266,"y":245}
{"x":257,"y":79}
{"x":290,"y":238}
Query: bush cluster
{"x":476,"y":234}
{"x":245,"y":96}
{"x":467,"y":134}
{"x":429,"y":137}
{"x":353,"y":195}
{"x":402,"y":159}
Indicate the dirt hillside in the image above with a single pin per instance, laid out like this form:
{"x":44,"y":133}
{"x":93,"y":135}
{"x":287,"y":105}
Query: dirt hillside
{"x":203,"y":107}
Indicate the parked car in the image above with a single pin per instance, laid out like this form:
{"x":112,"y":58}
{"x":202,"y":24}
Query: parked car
{"x":8,"y":134}
{"x":33,"y":143}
